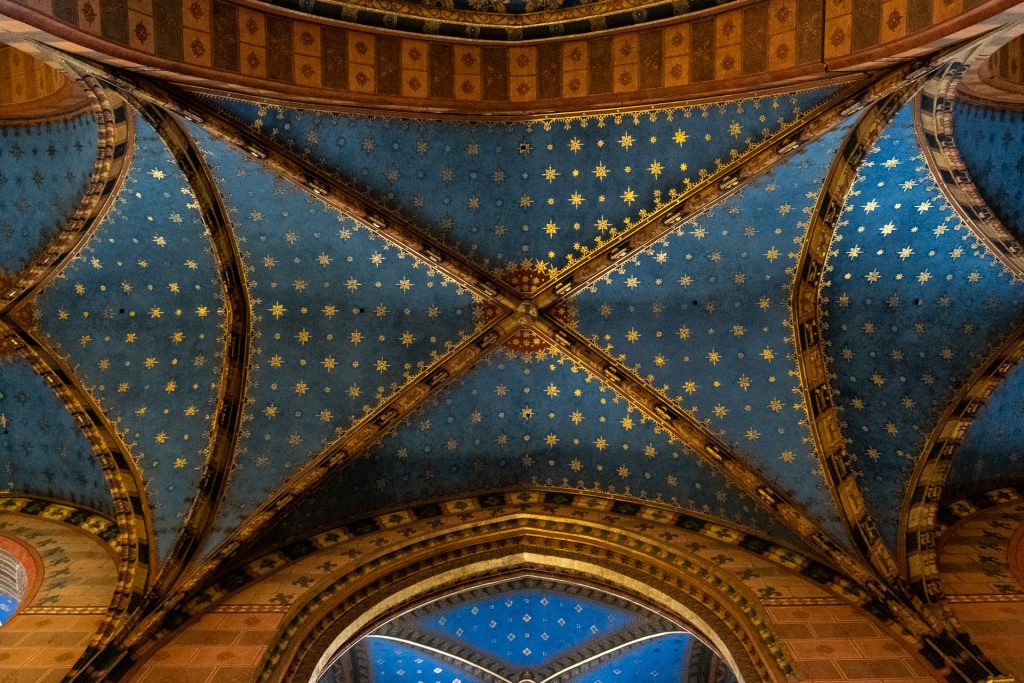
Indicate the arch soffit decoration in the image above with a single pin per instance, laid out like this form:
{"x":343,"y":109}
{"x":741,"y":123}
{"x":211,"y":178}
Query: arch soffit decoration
{"x":265,"y":51}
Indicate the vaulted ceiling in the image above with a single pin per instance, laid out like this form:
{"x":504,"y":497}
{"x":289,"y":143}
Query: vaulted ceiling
{"x":230,"y":324}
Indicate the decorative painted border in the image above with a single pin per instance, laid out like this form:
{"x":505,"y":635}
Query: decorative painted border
{"x":732,"y":613}
{"x":258,"y":49}
{"x":90,"y":521}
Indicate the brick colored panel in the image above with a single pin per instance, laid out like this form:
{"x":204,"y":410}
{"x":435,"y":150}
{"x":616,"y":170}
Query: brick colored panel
{"x":782,"y":51}
{"x":441,"y":70}
{"x":522,"y":61}
{"x":252,"y":27}
{"x":141,"y":35}
{"x":335,"y":62}
{"x":225,"y":27}
{"x":652,"y":61}
{"x":495,"y":73}
{"x":755,"y":38}
{"x":197,"y":47}
{"x":783,"y":16}
{"x":279,"y":48}
{"x":919,"y":14}
{"x":66,"y":11}
{"x":549,"y":71}
{"x":867,"y":29}
{"x":389,"y":68}
{"x":874,"y":668}
{"x":894,"y":19}
{"x":600,"y":65}
{"x":114,"y":20}
{"x":728,"y":28}
{"x":167,"y":18}
{"x":808,"y":31}
{"x":306,"y":39}
{"x":676,"y":41}
{"x":702,"y":50}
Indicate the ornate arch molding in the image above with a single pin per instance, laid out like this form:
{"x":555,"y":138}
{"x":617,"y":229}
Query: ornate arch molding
{"x":372,"y":544}
{"x":933,"y":116}
{"x":256,"y":49}
{"x":981,"y":83}
{"x":922,"y":522}
{"x":358,"y":602}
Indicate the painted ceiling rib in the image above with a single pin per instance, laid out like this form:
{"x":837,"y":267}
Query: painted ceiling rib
{"x":919,"y":521}
{"x":822,"y":417}
{"x":227,"y":423}
{"x":338,"y":193}
{"x":697,"y":437}
{"x":610,"y":651}
{"x":135,"y":538}
{"x":933,"y":120}
{"x":730,"y":178}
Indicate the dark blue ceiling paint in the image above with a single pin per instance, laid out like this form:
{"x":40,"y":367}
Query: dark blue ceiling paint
{"x":341,"y":320}
{"x":991,"y":144}
{"x":912,"y":302}
{"x":541,"y":191}
{"x":526,"y":628}
{"x":512,"y":422}
{"x":705,"y":316}
{"x":44,"y":171}
{"x":651,"y":661}
{"x":42,"y":451}
{"x":8,"y":604}
{"x":992,"y":454}
{"x":396,"y":662}
{"x":138,"y":314}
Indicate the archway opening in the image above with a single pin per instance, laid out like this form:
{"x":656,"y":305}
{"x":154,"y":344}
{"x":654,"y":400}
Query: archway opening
{"x":13,"y":585}
{"x":528,"y":629}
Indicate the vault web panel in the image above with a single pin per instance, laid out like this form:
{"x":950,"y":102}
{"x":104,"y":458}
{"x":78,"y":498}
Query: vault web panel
{"x":992,"y":454}
{"x":341,"y":320}
{"x":513,"y":422}
{"x":913,"y":302}
{"x":44,"y":171}
{"x":138,"y":315}
{"x":705,"y":317}
{"x":540,"y":190}
{"x":42,"y":451}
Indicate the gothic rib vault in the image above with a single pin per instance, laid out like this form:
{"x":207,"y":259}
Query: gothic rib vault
{"x":300,"y":377}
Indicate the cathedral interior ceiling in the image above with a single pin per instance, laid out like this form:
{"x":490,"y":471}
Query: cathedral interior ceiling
{"x":272,"y":322}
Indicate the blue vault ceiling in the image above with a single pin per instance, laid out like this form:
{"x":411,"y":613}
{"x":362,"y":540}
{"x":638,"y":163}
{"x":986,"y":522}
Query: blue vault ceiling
{"x":543,"y":191}
{"x":991,"y":143}
{"x":341,"y":319}
{"x":705,"y":315}
{"x":913,"y":301}
{"x":138,"y":315}
{"x":514,"y":422}
{"x":44,"y":171}
{"x":518,"y":630}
